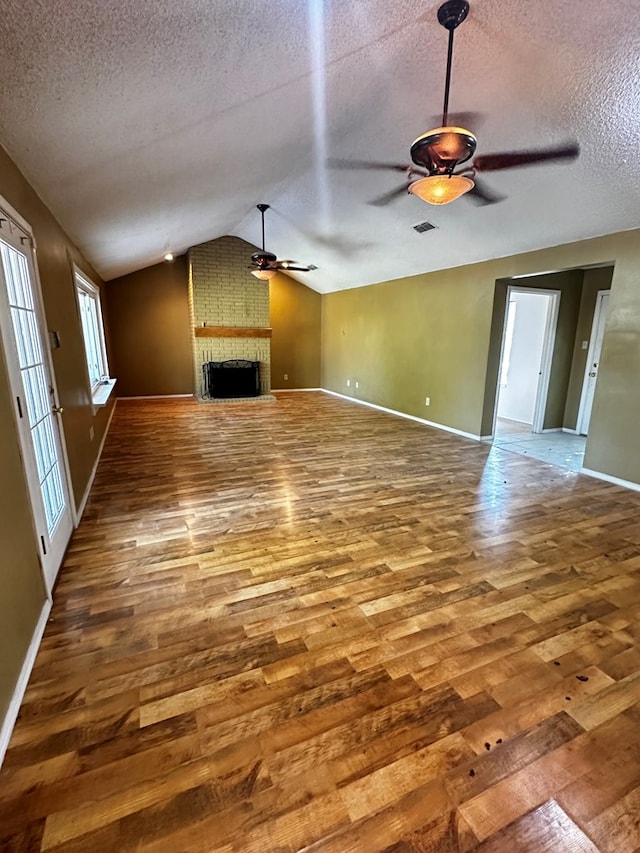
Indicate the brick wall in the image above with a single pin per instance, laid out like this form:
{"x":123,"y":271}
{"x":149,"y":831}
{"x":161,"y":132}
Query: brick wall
{"x":222,"y":292}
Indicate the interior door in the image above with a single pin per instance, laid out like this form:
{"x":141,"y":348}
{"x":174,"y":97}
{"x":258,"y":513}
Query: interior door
{"x":33,"y":390}
{"x":527,"y":352}
{"x":593,"y":361}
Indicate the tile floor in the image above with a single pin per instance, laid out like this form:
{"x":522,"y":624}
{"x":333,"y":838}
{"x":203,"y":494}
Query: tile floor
{"x":559,"y":448}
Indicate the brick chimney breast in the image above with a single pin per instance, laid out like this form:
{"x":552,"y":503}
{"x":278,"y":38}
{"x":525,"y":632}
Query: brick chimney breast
{"x":223,"y":293}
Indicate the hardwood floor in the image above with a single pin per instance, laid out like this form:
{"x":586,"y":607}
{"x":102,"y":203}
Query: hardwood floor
{"x":312,"y":626}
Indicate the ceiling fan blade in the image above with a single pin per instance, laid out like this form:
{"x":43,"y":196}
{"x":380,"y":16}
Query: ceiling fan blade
{"x":289,"y":264}
{"x":367,"y":164}
{"x":290,"y":267}
{"x":382,"y":200}
{"x":481,"y":194}
{"x":511,"y":159}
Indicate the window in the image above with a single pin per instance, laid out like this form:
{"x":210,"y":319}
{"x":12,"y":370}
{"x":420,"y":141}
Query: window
{"x":93,"y":333}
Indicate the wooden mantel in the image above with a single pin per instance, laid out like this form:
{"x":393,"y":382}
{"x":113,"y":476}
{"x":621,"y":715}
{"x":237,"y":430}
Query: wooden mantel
{"x":232,"y":331}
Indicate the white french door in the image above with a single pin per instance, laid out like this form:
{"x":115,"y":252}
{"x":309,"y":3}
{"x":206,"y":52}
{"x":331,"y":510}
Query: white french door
{"x":33,"y":391}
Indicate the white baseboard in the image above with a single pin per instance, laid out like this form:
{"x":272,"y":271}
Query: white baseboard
{"x":87,"y":491}
{"x":158,"y":397}
{"x":626,"y":484}
{"x":23,"y":679}
{"x":293,"y":390}
{"x":405,"y":415}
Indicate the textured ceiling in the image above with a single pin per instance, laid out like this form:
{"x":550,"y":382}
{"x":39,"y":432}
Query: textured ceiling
{"x":160,"y":124}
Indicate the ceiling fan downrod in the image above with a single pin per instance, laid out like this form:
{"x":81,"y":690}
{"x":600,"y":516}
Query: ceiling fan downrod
{"x":262,"y":208}
{"x":451,"y":14}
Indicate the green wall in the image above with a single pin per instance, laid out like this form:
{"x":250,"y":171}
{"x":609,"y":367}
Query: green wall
{"x":593,"y":281}
{"x":430,"y":335}
{"x":150,"y":334}
{"x":296,"y":313}
{"x":22,"y":592}
{"x":570,"y":286}
{"x":404,"y":340}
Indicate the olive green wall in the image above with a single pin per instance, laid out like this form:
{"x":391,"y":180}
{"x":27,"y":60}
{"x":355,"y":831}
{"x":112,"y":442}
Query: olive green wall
{"x":570,"y":286}
{"x":22,"y":593}
{"x":296,"y":313}
{"x":408,"y":339}
{"x":148,"y":313}
{"x":593,"y":281}
{"x":429,"y":335}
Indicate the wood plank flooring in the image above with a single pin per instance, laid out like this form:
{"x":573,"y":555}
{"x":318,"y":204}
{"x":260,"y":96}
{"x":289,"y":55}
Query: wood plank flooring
{"x":312,"y":626}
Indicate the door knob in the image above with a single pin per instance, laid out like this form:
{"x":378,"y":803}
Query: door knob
{"x":57,"y":410}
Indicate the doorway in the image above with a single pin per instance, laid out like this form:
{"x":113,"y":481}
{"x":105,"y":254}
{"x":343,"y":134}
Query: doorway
{"x":525,"y":366}
{"x":33,"y":390}
{"x":559,"y":441}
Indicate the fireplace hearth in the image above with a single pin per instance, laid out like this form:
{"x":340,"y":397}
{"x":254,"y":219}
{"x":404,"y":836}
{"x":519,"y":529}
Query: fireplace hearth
{"x":230,"y":379}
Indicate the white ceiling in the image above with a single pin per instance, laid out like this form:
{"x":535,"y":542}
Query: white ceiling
{"x":159,"y":124}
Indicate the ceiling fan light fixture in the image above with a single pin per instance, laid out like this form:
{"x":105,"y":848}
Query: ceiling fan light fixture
{"x":263,"y":275}
{"x":441,"y":189}
{"x":443,"y":145}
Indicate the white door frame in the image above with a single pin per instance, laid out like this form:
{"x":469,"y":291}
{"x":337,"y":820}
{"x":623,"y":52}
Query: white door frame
{"x":551,"y":325}
{"x":50,"y":561}
{"x":592,"y":356}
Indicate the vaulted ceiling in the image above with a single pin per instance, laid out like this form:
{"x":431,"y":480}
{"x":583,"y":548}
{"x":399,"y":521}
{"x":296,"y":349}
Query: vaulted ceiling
{"x":160,"y":124}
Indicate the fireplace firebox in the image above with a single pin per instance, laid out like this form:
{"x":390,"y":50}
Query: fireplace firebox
{"x":232,"y":378}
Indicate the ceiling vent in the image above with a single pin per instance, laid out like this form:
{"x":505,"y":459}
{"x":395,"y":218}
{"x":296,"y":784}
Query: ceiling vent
{"x":421,"y":227}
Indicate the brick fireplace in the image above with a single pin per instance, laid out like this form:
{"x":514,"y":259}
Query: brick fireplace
{"x":229,"y":308}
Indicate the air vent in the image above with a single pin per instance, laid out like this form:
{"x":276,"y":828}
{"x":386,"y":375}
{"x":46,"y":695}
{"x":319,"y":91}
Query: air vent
{"x":421,"y":227}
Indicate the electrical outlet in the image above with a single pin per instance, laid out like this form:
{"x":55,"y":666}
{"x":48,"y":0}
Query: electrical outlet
{"x":286,"y":376}
{"x":427,"y":401}
{"x":357,"y":384}
{"x":348,"y":383}
{"x":585,"y":344}
{"x":91,"y":433}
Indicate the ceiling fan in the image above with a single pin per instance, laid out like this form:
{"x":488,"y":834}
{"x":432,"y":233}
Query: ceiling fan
{"x":434,"y":175}
{"x":264,"y":265}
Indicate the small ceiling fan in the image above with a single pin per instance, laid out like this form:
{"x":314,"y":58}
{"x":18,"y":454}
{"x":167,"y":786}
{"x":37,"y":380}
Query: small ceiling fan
{"x":438,"y":153}
{"x":264,"y":265}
